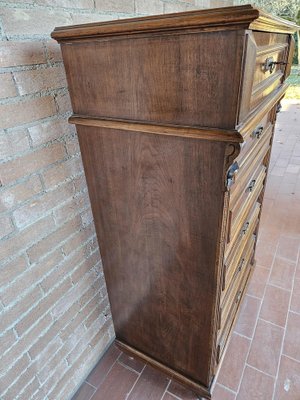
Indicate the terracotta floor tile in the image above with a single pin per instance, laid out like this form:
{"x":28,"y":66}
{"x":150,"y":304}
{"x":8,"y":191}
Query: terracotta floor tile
{"x":248,"y":315}
{"x":265,"y":253}
{"x":85,"y":392}
{"x":258,"y":281}
{"x":98,"y":374}
{"x":169,"y":396}
{"x":288,"y":383}
{"x":295,"y":303}
{"x":180,"y":391}
{"x":275,"y":305}
{"x":255,"y":386}
{"x":297,"y":274}
{"x":117,"y":384}
{"x":291,"y":345}
{"x":151,"y":385}
{"x":265,"y":348}
{"x":221,"y":393}
{"x":231,"y":371}
{"x":131,"y":362}
{"x":288,"y":247}
{"x":282,"y":273}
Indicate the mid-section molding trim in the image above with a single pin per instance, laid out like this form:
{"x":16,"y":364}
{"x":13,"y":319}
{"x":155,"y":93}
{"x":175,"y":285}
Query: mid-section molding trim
{"x":215,"y":134}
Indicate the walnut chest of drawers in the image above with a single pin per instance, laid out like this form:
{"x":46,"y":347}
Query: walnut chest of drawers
{"x":175,"y":117}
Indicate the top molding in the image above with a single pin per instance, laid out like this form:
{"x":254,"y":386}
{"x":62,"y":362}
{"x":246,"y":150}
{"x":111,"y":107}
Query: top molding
{"x":238,"y":17}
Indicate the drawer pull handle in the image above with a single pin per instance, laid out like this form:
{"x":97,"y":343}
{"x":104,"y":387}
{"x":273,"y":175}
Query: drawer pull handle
{"x":256,"y":134}
{"x":251,"y":185}
{"x":245,"y":228}
{"x":231,"y":173}
{"x":240,"y":267}
{"x":238,"y":296}
{"x":269,"y":64}
{"x":278,"y":108}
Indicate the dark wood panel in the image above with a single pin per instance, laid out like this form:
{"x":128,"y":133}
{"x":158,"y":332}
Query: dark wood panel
{"x":157,"y":203}
{"x":190,"y":79}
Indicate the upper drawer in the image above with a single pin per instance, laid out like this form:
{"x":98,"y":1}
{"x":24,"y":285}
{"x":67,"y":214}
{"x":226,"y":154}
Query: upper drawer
{"x":266,"y":65}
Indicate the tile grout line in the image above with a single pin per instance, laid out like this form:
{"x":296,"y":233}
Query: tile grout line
{"x":257,"y":318}
{"x":133,"y":386}
{"x":285,"y":327}
{"x":169,"y":383}
{"x":259,"y":370}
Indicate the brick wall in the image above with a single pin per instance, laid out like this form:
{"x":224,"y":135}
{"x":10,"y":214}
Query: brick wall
{"x":55,"y":321}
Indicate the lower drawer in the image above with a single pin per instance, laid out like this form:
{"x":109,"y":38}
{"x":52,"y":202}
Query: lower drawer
{"x":234,"y":291}
{"x":224,"y":332}
{"x":233,"y":261}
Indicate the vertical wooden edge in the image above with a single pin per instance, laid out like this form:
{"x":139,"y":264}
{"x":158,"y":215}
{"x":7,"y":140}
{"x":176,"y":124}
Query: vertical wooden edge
{"x":231,"y":151}
{"x":196,"y":387}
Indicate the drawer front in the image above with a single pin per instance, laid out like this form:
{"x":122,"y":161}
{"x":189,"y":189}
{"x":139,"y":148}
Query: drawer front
{"x":232,"y":262}
{"x":248,"y":162}
{"x":234,"y":292}
{"x":226,"y":329}
{"x":255,"y":135}
{"x":251,"y":190}
{"x":267,"y":61}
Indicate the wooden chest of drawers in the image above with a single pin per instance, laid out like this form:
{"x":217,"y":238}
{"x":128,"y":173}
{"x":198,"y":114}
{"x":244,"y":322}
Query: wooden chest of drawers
{"x":175,"y":117}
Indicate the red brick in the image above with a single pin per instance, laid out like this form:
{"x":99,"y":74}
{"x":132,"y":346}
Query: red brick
{"x":42,"y":308}
{"x":115,"y":5}
{"x":40,"y":79}
{"x":47,"y":131}
{"x":79,"y":18}
{"x":32,"y":387}
{"x":47,"y":337}
{"x":30,"y":277}
{"x":67,"y":3}
{"x":58,"y":273}
{"x":15,"y":195}
{"x":12,"y":270}
{"x":13,"y":143}
{"x":54,"y":239}
{"x":53,"y":51}
{"x":13,"y":373}
{"x":72,"y":146}
{"x":66,"y":170}
{"x":20,"y":383}
{"x":79,"y":238}
{"x":149,"y":7}
{"x":32,"y":162}
{"x":22,"y":344}
{"x":21,"y":53}
{"x":26,"y":111}
{"x":21,"y":307}
{"x":26,"y":237}
{"x":32,"y":21}
{"x":7,"y":340}
{"x":63,"y":103}
{"x":72,"y":296}
{"x":6,"y":226}
{"x":29,"y":213}
{"x":7,"y":87}
{"x":71,"y":208}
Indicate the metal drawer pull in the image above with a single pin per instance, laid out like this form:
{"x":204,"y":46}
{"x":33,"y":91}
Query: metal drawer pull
{"x":241,"y":265}
{"x":269,"y":64}
{"x":238,"y":296}
{"x":278,"y":108}
{"x":251,"y":185}
{"x":256,"y":134}
{"x":245,"y":228}
{"x":231,"y":173}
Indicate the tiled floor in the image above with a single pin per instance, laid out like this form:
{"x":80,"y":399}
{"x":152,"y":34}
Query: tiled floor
{"x":263,"y":358}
